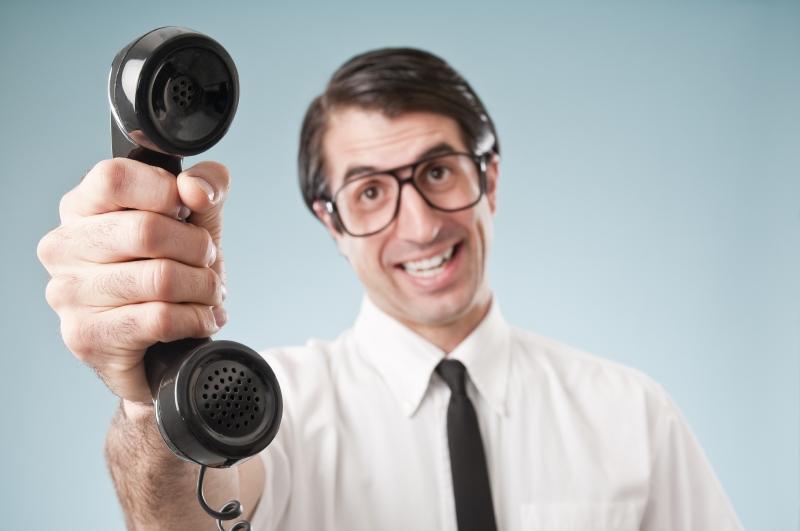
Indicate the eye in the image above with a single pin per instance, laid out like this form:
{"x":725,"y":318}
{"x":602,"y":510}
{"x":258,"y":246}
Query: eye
{"x":370,"y":193}
{"x":437,"y":174}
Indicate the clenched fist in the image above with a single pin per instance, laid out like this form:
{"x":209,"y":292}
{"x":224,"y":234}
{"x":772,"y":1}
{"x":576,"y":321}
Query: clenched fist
{"x":127,"y":273}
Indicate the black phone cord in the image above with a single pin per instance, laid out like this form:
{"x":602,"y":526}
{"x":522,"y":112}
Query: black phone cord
{"x":231,"y":510}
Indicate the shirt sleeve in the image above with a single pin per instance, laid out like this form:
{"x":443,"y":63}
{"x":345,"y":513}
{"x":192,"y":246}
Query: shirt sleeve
{"x":685,"y":494}
{"x":277,"y":484}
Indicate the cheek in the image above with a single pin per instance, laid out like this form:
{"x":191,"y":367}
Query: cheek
{"x":364,"y":256}
{"x":483,"y":232}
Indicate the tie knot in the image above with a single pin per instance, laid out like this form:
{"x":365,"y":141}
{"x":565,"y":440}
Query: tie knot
{"x":454,"y":374}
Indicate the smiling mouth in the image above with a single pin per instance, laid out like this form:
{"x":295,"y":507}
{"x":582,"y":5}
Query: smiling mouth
{"x":429,"y":267}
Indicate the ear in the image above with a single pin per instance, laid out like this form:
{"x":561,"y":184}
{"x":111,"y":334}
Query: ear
{"x":324,"y":216}
{"x":492,"y":176}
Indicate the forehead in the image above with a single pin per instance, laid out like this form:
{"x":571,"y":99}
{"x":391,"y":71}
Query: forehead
{"x":359,"y":138}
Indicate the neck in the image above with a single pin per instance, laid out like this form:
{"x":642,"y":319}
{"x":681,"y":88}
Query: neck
{"x":449,"y":335}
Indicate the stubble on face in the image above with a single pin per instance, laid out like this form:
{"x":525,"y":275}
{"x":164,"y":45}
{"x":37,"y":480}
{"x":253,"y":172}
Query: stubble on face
{"x":455,"y":296}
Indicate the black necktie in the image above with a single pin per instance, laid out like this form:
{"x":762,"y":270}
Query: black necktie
{"x":474,"y":510}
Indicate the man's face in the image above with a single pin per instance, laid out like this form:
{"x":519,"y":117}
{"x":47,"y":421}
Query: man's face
{"x":454,"y":245}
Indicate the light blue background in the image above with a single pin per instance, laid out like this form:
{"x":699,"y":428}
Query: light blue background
{"x":649,"y":207}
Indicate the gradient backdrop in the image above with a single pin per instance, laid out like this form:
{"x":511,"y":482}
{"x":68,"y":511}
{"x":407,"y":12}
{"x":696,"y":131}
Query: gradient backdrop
{"x":649,"y":207}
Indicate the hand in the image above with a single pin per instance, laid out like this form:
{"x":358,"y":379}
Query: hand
{"x":112,"y":304}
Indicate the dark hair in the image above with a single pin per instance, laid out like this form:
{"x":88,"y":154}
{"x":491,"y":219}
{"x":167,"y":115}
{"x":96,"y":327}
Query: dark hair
{"x":393,"y":81}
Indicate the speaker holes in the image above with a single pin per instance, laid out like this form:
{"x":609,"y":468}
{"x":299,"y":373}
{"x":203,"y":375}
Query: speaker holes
{"x":183,"y":83}
{"x":236,"y":407}
{"x":175,"y":88}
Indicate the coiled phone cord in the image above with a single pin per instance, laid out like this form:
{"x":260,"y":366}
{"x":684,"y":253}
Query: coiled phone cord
{"x":231,"y":510}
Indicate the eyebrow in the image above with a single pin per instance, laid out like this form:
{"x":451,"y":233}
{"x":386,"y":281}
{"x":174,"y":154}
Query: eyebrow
{"x":438,"y":149}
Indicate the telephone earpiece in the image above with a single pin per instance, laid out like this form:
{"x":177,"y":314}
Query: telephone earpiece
{"x":173,"y":93}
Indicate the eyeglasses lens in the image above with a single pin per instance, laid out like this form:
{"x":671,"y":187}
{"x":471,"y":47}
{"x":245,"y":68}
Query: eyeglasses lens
{"x":367,"y":204}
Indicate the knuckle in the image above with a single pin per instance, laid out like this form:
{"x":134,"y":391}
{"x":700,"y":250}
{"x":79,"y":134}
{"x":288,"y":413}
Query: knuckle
{"x":212,"y":284}
{"x":162,"y":275}
{"x":62,"y":290}
{"x":46,"y":247}
{"x":146,"y":233}
{"x":76,"y":339}
{"x":111,"y":176}
{"x":162,"y":320}
{"x":205,"y":323}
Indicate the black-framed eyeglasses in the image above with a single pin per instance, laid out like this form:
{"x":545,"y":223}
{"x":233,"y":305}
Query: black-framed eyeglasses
{"x":367,"y":204}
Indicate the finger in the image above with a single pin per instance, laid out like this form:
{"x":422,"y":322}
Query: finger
{"x":203,"y":188}
{"x":133,"y":234}
{"x":114,"y":342}
{"x":113,"y":285}
{"x":117,"y":338}
{"x":119,"y":184}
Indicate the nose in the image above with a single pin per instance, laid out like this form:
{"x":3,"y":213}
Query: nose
{"x":416,"y":221}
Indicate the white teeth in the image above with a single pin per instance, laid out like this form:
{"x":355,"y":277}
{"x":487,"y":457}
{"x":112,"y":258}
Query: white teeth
{"x":428,"y":267}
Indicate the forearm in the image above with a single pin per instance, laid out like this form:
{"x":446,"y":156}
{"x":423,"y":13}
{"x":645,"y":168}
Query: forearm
{"x":157,"y":489}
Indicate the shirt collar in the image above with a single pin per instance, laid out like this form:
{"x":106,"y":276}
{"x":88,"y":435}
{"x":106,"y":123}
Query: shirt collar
{"x":406,"y":361}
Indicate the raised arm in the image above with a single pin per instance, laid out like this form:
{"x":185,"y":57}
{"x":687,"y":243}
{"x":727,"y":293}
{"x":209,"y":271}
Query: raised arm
{"x":114,"y":304}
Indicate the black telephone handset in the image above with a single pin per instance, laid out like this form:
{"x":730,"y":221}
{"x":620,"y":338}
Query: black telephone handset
{"x":173,"y":93}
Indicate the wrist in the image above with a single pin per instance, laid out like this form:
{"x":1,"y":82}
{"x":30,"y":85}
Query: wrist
{"x":136,"y":410}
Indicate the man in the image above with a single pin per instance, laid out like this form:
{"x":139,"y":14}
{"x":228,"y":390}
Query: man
{"x":431,"y":413}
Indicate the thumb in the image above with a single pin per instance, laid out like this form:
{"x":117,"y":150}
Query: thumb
{"x":203,"y":188}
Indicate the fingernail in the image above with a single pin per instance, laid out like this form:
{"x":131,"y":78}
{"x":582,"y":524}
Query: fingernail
{"x":184,"y":212}
{"x":203,"y":185}
{"x":223,"y":291}
{"x":220,"y":315}
{"x":213,"y":253}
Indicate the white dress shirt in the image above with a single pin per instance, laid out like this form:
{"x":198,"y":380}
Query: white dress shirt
{"x":572,"y":441}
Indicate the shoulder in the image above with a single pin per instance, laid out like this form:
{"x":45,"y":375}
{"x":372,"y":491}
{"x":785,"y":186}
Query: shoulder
{"x":306,"y":373}
{"x":584,"y":376}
